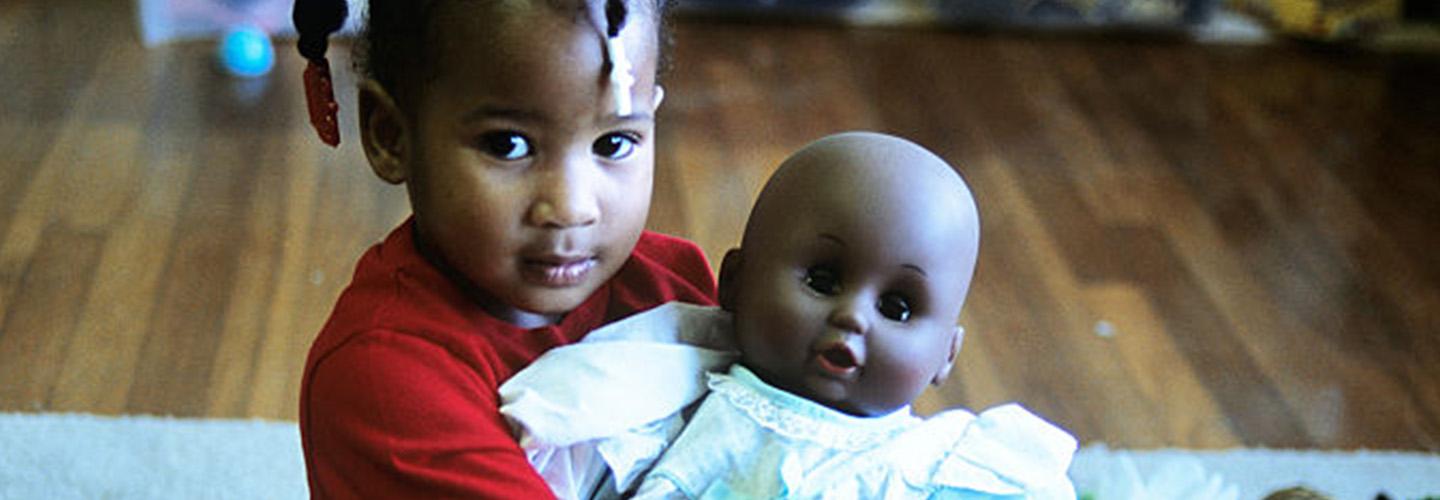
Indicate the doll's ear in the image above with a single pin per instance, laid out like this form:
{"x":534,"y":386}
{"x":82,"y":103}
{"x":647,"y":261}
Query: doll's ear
{"x":729,"y":277}
{"x":383,"y":133}
{"x":659,"y":98}
{"x":956,"y":340}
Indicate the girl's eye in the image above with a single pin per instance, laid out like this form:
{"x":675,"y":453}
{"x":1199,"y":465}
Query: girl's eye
{"x":822,"y":280}
{"x":894,"y":306}
{"x":614,"y":146}
{"x":508,"y":146}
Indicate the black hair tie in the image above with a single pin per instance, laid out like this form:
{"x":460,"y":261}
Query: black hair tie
{"x":315,"y":20}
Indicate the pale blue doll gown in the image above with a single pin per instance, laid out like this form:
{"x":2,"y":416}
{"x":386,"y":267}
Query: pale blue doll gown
{"x":615,"y":401}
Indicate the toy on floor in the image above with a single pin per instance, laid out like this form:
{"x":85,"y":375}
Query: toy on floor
{"x":1297,"y":493}
{"x":245,"y":51}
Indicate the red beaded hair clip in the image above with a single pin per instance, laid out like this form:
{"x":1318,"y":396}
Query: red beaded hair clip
{"x":320,"y":99}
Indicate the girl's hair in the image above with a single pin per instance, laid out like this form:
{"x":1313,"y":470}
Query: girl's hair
{"x":395,"y":33}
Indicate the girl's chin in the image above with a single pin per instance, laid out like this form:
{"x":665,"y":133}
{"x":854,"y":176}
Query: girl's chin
{"x":551,"y":302}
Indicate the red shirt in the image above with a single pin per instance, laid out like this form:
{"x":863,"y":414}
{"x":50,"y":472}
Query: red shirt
{"x":399,"y":394}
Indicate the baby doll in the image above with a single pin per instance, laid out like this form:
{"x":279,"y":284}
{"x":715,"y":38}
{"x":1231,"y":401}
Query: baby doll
{"x":842,"y":303}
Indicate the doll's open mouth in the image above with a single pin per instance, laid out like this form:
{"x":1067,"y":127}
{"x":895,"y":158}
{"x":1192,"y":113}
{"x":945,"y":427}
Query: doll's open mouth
{"x":838,"y":360}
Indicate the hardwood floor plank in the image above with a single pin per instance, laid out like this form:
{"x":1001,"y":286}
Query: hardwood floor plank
{"x":1123,"y":264}
{"x":96,"y":373}
{"x":116,"y":320}
{"x":245,"y":331}
{"x":203,"y":268}
{"x":41,"y":320}
{"x":1188,"y":413}
{"x":1339,"y":303}
{"x":276,"y":381}
{"x":1202,"y":338}
{"x":55,"y":186}
{"x":1188,"y":160}
{"x":1046,"y":345}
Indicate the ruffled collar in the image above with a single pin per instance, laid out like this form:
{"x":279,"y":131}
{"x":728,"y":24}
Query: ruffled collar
{"x":801,"y":419}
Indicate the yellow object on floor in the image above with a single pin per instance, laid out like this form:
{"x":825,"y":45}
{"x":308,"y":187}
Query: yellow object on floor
{"x":1325,"y":19}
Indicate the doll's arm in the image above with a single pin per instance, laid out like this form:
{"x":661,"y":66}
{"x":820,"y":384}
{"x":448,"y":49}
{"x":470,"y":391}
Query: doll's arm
{"x":1009,"y":443}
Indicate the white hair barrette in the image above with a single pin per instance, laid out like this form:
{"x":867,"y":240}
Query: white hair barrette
{"x":622,"y":78}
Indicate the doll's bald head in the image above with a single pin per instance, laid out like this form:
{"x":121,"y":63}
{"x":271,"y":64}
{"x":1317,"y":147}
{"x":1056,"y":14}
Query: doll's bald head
{"x":851,"y":173}
{"x":850,"y":277}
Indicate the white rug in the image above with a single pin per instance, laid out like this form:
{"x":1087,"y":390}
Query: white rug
{"x":1255,"y":473}
{"x":62,"y":456}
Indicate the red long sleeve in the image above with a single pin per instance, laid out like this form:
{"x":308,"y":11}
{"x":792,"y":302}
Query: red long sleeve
{"x":399,"y":418}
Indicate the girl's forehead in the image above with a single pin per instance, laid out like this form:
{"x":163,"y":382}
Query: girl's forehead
{"x":468,"y":18}
{"x":537,"y":66}
{"x":584,"y":14}
{"x":492,"y":31}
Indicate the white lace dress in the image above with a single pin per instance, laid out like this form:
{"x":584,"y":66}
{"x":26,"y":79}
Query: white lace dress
{"x":751,"y":440}
{"x":614,"y":403}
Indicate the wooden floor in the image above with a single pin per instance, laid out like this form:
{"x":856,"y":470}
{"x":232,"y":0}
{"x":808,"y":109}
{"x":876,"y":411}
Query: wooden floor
{"x":1183,"y":245}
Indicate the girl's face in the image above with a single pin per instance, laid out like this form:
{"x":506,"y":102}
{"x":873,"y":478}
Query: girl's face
{"x":847,"y":294}
{"x":522,"y":177}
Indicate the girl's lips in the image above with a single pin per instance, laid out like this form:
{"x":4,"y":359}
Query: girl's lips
{"x":557,"y":271}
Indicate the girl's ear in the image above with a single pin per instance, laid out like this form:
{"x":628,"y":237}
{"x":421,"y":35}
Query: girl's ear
{"x":659,"y":98}
{"x":956,"y":339}
{"x":729,"y":275}
{"x":383,"y":132}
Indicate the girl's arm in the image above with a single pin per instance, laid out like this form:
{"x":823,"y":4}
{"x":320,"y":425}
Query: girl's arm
{"x":392,"y":415}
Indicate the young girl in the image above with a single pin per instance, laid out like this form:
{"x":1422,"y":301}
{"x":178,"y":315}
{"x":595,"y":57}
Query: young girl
{"x":522,"y":130}
{"x":842,"y":300}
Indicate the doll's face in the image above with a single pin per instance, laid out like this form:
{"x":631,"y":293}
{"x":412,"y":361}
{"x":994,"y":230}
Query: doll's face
{"x":852,"y":274}
{"x":524,"y":180}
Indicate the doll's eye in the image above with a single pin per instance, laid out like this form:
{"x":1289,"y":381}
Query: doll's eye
{"x":508,"y":146}
{"x":894,"y":306}
{"x":614,"y":146}
{"x":823,"y":280}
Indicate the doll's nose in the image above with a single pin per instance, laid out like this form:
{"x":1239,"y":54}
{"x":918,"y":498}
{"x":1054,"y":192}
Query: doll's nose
{"x":850,"y":315}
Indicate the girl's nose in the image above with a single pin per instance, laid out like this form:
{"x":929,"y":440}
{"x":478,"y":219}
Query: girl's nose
{"x":565,"y":198}
{"x":850,"y":314}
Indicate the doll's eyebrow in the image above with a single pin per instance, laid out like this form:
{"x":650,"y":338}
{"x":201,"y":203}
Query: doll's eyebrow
{"x":832,"y":238}
{"x":836,"y":240}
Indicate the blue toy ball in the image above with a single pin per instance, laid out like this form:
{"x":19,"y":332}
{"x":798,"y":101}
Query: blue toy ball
{"x":246,"y":51}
